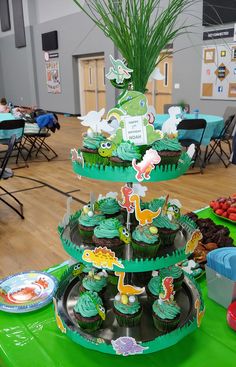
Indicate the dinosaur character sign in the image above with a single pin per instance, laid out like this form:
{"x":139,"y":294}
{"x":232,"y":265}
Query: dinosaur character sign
{"x":119,"y":71}
{"x":144,"y":168}
{"x":132,"y":114}
{"x":168,"y":288}
{"x":193,"y":242}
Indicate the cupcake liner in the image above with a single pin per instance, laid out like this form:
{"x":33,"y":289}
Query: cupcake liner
{"x":110,"y":243}
{"x":128,"y":320}
{"x":165,"y":325}
{"x":120,"y":164}
{"x":178,"y":282}
{"x":169,"y":157}
{"x":89,"y":323}
{"x":167,"y":236}
{"x":86,"y":235}
{"x":145,"y":250}
{"x":141,"y":279}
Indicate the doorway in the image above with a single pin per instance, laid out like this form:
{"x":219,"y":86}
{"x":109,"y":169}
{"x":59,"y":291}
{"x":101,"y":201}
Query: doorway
{"x":92,"y":83}
{"x":160,"y":91}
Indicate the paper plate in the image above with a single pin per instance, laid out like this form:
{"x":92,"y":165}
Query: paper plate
{"x":28,"y":291}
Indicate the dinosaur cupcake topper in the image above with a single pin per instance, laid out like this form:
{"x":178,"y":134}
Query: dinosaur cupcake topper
{"x":119,"y":71}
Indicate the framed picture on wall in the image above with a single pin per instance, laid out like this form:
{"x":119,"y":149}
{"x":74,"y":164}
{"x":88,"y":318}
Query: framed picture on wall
{"x":233,"y":55}
{"x":209,"y":55}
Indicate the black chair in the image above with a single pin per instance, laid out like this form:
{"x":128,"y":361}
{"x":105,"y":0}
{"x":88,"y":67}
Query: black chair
{"x":10,"y":125}
{"x":194,"y":125}
{"x":225,"y":136}
{"x":36,"y":143}
{"x":6,"y":173}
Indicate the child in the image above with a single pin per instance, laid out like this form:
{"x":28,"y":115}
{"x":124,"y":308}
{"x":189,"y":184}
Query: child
{"x":3,"y":106}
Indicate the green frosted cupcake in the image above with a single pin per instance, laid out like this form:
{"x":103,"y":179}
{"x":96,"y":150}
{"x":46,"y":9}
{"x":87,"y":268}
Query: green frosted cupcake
{"x":145,"y":242}
{"x":87,"y":311}
{"x":108,"y":207}
{"x":166,"y":229}
{"x":127,"y":310}
{"x":153,"y":288}
{"x":108,"y":234}
{"x":176,"y":273}
{"x":90,"y":149}
{"x":95,"y":282}
{"x":124,"y":154}
{"x":87,"y":223}
{"x":155,"y":204}
{"x":165,"y":315}
{"x":168,"y":149}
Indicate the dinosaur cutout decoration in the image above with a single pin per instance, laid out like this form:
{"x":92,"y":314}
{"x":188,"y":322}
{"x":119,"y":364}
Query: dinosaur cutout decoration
{"x":170,"y":126}
{"x":144,"y":216}
{"x":102,"y":258}
{"x":168,"y":288}
{"x":66,"y":219}
{"x":144,"y":168}
{"x":96,"y":124}
{"x":119,"y":71}
{"x":200,"y":314}
{"x":58,"y":319}
{"x":76,"y":157}
{"x":193,"y":242}
{"x":127,"y":289}
{"x":126,"y":193}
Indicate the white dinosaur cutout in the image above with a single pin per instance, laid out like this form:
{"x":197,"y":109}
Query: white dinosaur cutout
{"x":94,"y":120}
{"x":170,"y":126}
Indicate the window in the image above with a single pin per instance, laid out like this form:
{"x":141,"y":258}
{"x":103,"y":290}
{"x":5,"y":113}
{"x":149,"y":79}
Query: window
{"x":90,"y":75}
{"x":166,"y":74}
{"x":104,"y":75}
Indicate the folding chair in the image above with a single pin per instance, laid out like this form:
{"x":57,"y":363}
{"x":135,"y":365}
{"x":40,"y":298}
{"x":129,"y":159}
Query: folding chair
{"x":197,"y":125}
{"x":37,"y":143}
{"x":6,"y":173}
{"x":225,"y":136}
{"x":9,"y":128}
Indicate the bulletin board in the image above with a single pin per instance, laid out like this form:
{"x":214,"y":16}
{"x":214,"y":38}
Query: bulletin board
{"x":53,"y":77}
{"x":218,"y":79}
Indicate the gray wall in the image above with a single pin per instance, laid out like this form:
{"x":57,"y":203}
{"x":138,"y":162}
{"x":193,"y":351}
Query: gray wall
{"x":188,"y":60}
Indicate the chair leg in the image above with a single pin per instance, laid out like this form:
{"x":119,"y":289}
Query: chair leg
{"x":19,"y":212}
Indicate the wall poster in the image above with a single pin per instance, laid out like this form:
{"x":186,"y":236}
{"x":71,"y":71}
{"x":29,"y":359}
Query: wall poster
{"x":53,"y":77}
{"x":218,"y":78}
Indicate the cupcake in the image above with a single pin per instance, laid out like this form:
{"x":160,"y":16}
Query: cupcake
{"x":145,"y":241}
{"x":87,"y":223}
{"x":153,"y":288}
{"x":127,"y":310}
{"x":166,"y":315}
{"x":124,"y":154}
{"x":108,"y":233}
{"x":166,"y":229}
{"x":90,"y":147}
{"x":108,"y":207}
{"x":176,"y":273}
{"x":95,"y":282}
{"x":87,"y":311}
{"x":168,"y":149}
{"x":155,"y":204}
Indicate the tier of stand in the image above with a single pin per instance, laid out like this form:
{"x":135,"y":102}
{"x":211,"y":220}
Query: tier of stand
{"x":145,"y":334}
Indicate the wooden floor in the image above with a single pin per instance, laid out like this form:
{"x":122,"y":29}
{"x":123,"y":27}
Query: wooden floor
{"x":43,"y":187}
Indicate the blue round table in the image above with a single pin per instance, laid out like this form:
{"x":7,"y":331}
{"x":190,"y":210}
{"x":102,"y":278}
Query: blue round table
{"x":214,"y":126}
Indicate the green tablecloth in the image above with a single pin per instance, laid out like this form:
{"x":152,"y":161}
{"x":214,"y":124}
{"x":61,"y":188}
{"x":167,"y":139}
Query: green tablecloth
{"x":33,"y":339}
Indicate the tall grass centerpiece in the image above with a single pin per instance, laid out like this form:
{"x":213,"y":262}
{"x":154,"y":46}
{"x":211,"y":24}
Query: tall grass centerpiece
{"x":140,"y":29}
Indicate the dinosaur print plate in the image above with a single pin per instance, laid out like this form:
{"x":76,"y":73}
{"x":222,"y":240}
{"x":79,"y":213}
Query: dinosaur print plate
{"x":25,"y":292}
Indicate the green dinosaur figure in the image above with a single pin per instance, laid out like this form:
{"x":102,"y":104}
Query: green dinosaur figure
{"x":132,"y":103}
{"x":119,"y":71}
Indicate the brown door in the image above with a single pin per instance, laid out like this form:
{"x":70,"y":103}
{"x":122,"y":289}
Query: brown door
{"x":92,"y":84}
{"x":160,"y":91}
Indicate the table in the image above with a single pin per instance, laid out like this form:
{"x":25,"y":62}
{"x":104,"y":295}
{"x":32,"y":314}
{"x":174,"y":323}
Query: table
{"x":33,"y":339}
{"x":29,"y":128}
{"x":214,"y":126}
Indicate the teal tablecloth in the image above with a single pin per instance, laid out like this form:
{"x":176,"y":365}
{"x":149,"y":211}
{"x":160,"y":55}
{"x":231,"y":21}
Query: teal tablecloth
{"x":214,"y":126}
{"x":6,"y":134}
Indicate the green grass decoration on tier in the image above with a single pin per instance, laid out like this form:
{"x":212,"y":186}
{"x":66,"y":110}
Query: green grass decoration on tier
{"x":140,"y":29}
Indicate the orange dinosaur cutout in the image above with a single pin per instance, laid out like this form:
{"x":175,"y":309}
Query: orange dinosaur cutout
{"x":145,"y":216}
{"x":200,"y":314}
{"x":102,"y":258}
{"x":193,"y":242}
{"x":127,"y":289}
{"x":167,"y":285}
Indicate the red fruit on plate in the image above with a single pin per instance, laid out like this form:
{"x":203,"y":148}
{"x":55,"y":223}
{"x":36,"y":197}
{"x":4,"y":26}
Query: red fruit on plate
{"x":232,"y":216}
{"x":216,"y":206}
{"x":225,"y":206}
{"x":231,"y":210}
{"x":212,"y":204}
{"x":219,"y":211}
{"x":225,"y":214}
{"x":221,"y":200}
{"x":231,"y":315}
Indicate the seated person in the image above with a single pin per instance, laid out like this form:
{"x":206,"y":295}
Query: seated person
{"x":3,"y":106}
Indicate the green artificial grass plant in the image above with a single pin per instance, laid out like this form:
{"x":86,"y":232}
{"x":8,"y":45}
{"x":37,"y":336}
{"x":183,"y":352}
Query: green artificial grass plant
{"x":140,"y":29}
